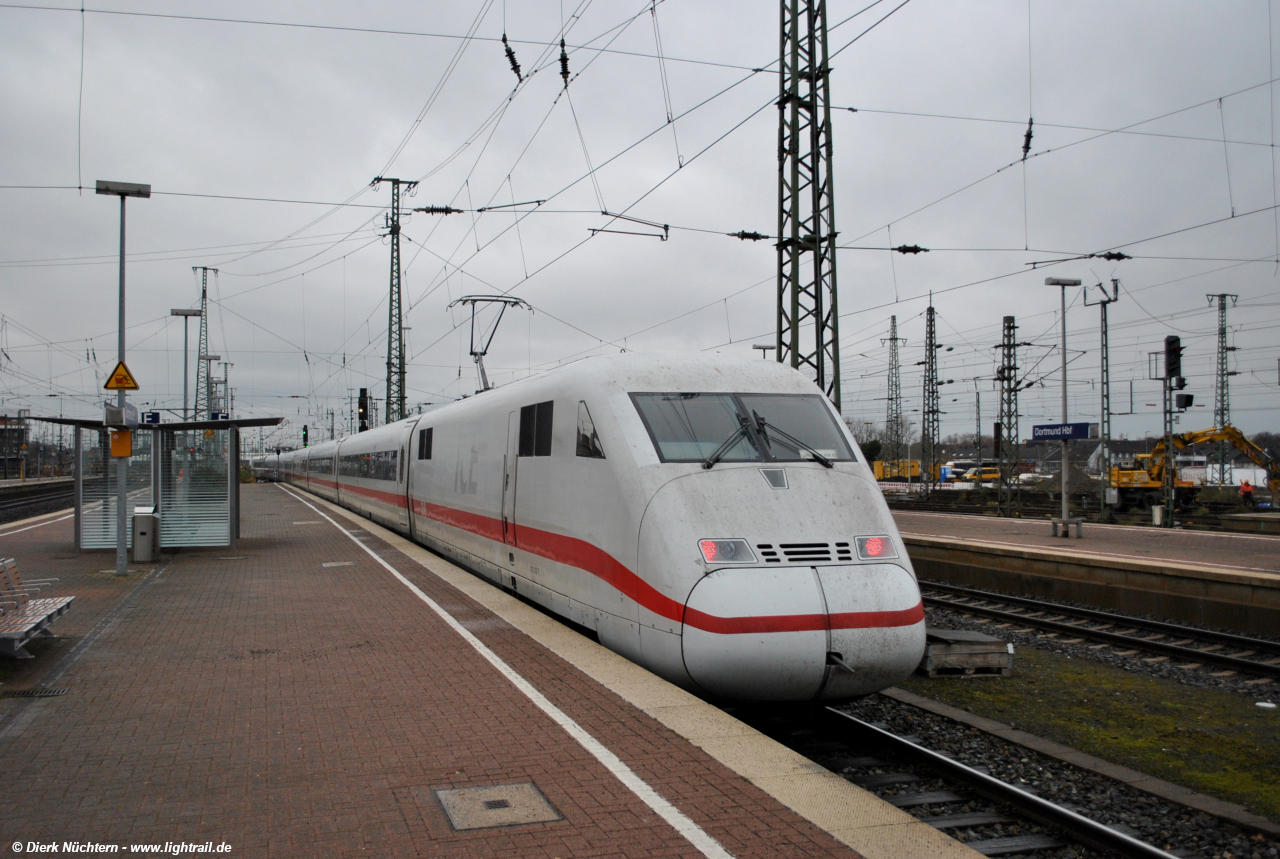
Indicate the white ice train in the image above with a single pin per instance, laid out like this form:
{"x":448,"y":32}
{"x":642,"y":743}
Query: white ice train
{"x":708,"y":518}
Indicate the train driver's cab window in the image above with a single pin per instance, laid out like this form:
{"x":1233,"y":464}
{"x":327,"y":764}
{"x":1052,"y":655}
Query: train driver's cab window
{"x":424,"y":442}
{"x":535,"y":429}
{"x":716,"y":427}
{"x":588,"y":441}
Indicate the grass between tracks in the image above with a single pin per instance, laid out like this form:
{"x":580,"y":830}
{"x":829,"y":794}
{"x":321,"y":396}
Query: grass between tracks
{"x":1215,"y":742}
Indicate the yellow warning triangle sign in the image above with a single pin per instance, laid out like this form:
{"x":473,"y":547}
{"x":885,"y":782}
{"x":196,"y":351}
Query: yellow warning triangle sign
{"x":121,"y":379}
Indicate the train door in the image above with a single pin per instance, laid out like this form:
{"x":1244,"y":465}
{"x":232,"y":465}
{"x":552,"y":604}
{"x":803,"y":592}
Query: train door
{"x":509,"y":466}
{"x":404,"y":517}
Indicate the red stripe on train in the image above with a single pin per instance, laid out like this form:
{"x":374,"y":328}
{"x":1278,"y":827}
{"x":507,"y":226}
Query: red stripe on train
{"x":395,"y":499}
{"x":594,"y":560}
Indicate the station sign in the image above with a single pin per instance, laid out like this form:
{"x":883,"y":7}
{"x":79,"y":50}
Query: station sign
{"x":1064,"y":432}
{"x":151,"y":417}
{"x":219,"y":416}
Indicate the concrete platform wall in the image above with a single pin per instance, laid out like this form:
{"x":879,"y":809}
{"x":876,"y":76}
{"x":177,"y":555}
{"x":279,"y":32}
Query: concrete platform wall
{"x":1227,"y":600}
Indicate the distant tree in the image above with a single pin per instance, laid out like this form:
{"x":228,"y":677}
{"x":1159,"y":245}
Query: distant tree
{"x":1268,"y":441}
{"x":871,"y":449}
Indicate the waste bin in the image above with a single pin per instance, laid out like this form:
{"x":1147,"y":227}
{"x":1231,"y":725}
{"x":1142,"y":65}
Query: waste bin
{"x":1157,"y":514}
{"x":146,"y":534}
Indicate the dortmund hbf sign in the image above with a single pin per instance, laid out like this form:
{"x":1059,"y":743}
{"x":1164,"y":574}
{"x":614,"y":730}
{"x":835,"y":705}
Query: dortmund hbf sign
{"x":1064,"y":432}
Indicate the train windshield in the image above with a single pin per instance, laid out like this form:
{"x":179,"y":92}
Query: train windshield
{"x":688,"y":427}
{"x":801,"y":426}
{"x":691,"y":427}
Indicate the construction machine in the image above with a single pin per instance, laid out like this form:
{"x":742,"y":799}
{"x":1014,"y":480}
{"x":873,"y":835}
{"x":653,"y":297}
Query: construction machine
{"x":1144,"y":486}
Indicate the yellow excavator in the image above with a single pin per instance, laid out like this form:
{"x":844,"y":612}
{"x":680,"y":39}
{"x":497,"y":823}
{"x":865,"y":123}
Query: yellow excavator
{"x":1145,"y":485}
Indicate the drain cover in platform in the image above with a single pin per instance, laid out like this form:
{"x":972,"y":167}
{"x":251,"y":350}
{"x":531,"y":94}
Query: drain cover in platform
{"x":499,"y":805}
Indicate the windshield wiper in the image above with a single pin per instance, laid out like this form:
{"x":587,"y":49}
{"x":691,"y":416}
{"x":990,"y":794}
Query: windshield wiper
{"x":727,"y":444}
{"x":789,"y":440}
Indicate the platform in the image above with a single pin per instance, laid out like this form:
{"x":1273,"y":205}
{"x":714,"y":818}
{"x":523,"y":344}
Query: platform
{"x":331,"y":689}
{"x":1222,"y":579}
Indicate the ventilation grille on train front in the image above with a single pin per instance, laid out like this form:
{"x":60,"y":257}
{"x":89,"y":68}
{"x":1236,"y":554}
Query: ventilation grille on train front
{"x":804,"y":553}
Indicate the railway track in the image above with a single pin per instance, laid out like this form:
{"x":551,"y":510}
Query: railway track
{"x":32,"y":500}
{"x":991,"y":816}
{"x":1255,"y":656}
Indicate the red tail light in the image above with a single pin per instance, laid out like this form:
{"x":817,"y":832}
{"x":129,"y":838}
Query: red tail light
{"x":875,"y":548}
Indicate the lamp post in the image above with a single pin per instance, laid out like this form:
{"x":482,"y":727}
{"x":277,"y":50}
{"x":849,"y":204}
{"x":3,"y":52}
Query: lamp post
{"x":186,"y":313}
{"x":1064,"y":282}
{"x":122,"y":190}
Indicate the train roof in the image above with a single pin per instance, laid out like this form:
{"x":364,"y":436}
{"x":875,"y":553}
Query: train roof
{"x":627,"y":372}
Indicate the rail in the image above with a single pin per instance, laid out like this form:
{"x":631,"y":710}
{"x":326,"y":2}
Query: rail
{"x":989,"y":604}
{"x":1075,"y":826}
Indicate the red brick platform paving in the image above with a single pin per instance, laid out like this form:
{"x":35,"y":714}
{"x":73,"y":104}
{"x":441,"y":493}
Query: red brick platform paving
{"x":1242,"y":552}
{"x":291,"y":709}
{"x":45,"y":549}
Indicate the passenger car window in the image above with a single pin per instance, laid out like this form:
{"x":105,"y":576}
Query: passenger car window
{"x":535,"y":429}
{"x":424,"y":442}
{"x":588,"y":441}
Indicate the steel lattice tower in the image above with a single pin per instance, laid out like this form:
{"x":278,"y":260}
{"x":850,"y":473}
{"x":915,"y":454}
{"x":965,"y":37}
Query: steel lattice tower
{"x":808,"y":326}
{"x":1104,"y":417}
{"x":930,"y":417}
{"x":1222,"y":390}
{"x":395,"y":320}
{"x":203,"y":388}
{"x":893,"y":411}
{"x":1006,"y":440}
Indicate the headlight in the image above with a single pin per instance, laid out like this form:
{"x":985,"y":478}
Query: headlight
{"x":875,"y":548}
{"x":726,"y":552}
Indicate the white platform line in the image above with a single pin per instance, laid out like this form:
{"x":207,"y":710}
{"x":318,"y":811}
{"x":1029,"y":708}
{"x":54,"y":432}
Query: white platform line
{"x":37,"y":525}
{"x":695,"y":835}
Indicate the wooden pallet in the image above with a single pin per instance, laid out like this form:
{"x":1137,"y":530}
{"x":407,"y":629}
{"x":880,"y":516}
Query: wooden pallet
{"x":962,"y":653}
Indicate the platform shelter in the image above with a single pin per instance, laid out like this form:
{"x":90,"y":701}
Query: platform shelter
{"x":188,"y":471}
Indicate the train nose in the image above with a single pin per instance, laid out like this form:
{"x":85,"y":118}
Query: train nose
{"x":768,"y":634}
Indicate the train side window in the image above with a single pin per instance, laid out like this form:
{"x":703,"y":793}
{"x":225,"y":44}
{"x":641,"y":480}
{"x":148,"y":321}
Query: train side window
{"x":535,"y":429}
{"x":424,"y":442}
{"x":588,"y":440}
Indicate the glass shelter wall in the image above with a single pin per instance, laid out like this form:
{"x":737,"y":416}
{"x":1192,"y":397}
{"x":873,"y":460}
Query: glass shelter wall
{"x":196,"y":488}
{"x":98,"y":474}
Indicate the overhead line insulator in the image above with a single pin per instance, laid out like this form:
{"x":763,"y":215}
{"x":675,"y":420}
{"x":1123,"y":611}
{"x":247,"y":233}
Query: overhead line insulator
{"x":564,"y":65}
{"x":439,"y":210}
{"x":1026,"y":139}
{"x":910,"y":249}
{"x":746,"y":236}
{"x":1113,"y":256}
{"x":511,"y":58}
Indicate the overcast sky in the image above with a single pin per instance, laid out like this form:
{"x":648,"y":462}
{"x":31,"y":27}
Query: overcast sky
{"x":212,"y":112}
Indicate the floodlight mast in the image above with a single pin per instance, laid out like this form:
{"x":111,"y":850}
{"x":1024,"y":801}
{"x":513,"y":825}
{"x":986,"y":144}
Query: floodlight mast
{"x":477,"y":354}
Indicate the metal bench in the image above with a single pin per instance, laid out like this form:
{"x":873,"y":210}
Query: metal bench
{"x":23,"y":617}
